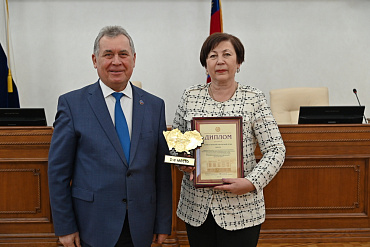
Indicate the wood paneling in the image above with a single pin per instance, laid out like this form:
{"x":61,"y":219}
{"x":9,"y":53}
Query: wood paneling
{"x":25,"y":216}
{"x":321,"y":193}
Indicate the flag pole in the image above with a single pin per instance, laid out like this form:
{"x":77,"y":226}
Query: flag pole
{"x":10,"y":79}
{"x":221,"y":19}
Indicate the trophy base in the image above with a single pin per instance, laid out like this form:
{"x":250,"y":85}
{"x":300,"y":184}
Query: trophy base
{"x":179,"y":160}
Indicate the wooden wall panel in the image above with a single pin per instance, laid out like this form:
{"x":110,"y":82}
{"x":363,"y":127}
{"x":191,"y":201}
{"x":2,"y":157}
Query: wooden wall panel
{"x":25,"y":215}
{"x":22,"y":188}
{"x":322,"y":191}
{"x":326,"y":185}
{"x":320,"y":194}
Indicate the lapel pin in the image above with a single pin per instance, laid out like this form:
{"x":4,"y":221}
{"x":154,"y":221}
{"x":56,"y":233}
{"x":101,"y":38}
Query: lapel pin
{"x":141,"y":102}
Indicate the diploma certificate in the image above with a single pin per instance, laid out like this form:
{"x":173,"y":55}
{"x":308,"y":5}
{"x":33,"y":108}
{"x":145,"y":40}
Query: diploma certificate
{"x":220,"y":155}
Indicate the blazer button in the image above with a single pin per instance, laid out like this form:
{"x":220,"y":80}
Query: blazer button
{"x":128,"y":174}
{"x":124,"y":200}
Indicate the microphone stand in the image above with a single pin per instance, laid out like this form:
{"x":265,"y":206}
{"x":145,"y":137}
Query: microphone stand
{"x":355,"y":92}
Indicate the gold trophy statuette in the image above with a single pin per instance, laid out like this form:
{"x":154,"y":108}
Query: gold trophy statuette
{"x":182,"y":143}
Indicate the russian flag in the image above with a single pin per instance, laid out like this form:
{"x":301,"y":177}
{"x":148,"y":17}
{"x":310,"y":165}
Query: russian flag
{"x":216,"y":17}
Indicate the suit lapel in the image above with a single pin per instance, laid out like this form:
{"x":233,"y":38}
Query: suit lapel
{"x":138,"y":110}
{"x":98,"y":105}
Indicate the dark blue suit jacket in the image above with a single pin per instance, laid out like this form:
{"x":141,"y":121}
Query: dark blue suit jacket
{"x":91,"y":186}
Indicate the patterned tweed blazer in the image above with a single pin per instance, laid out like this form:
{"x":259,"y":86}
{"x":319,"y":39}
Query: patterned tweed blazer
{"x":231,"y":211}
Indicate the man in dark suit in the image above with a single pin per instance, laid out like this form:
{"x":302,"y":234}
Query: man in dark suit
{"x":99,"y":196}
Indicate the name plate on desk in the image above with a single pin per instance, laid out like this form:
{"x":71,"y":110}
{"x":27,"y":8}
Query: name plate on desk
{"x":220,"y":155}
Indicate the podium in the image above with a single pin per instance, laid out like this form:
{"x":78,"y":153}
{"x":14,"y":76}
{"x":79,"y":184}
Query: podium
{"x":25,"y":215}
{"x":321,"y":193}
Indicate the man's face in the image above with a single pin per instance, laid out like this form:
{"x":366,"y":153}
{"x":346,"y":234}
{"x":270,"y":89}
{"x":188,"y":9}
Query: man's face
{"x":115,"y":62}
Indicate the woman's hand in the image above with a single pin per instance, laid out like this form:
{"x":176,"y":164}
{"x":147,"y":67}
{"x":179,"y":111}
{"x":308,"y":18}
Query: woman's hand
{"x":188,"y":169}
{"x":237,"y":186}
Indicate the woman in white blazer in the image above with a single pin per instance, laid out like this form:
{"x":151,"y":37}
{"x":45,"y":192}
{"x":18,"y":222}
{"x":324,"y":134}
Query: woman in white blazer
{"x":230,"y":214}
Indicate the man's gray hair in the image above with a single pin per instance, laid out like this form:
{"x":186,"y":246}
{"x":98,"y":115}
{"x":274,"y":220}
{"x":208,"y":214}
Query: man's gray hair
{"x":112,"y":31}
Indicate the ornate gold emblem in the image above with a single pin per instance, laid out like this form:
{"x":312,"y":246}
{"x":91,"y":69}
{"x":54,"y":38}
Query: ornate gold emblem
{"x":183,"y":142}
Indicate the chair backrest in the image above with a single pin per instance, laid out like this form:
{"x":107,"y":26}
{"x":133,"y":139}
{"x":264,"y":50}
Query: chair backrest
{"x":137,"y":83}
{"x":285,"y":103}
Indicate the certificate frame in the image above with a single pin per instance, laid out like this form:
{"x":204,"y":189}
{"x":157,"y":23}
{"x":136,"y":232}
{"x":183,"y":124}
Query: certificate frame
{"x":221,"y":154}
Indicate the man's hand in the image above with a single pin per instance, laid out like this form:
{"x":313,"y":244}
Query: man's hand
{"x":71,"y":240}
{"x":159,"y":238}
{"x":237,"y":186}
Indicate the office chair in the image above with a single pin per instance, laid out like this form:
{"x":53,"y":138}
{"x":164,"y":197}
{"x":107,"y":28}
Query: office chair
{"x":285,"y":102}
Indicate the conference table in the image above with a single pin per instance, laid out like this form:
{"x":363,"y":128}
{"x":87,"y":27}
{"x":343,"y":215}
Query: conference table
{"x":320,"y":194}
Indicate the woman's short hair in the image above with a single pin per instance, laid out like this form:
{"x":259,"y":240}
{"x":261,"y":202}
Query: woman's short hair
{"x":112,"y":32}
{"x":216,"y":38}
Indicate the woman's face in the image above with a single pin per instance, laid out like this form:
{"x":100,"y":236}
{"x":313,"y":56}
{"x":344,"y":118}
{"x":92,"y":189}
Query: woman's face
{"x":222,"y":63}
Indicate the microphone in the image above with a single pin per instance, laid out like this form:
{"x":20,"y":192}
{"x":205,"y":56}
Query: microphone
{"x":355,"y":92}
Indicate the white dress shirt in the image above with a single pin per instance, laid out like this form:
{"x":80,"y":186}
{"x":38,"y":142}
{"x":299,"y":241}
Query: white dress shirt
{"x":126,"y":102}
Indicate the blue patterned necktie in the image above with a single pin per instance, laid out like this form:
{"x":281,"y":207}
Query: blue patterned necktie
{"x":121,"y":126}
